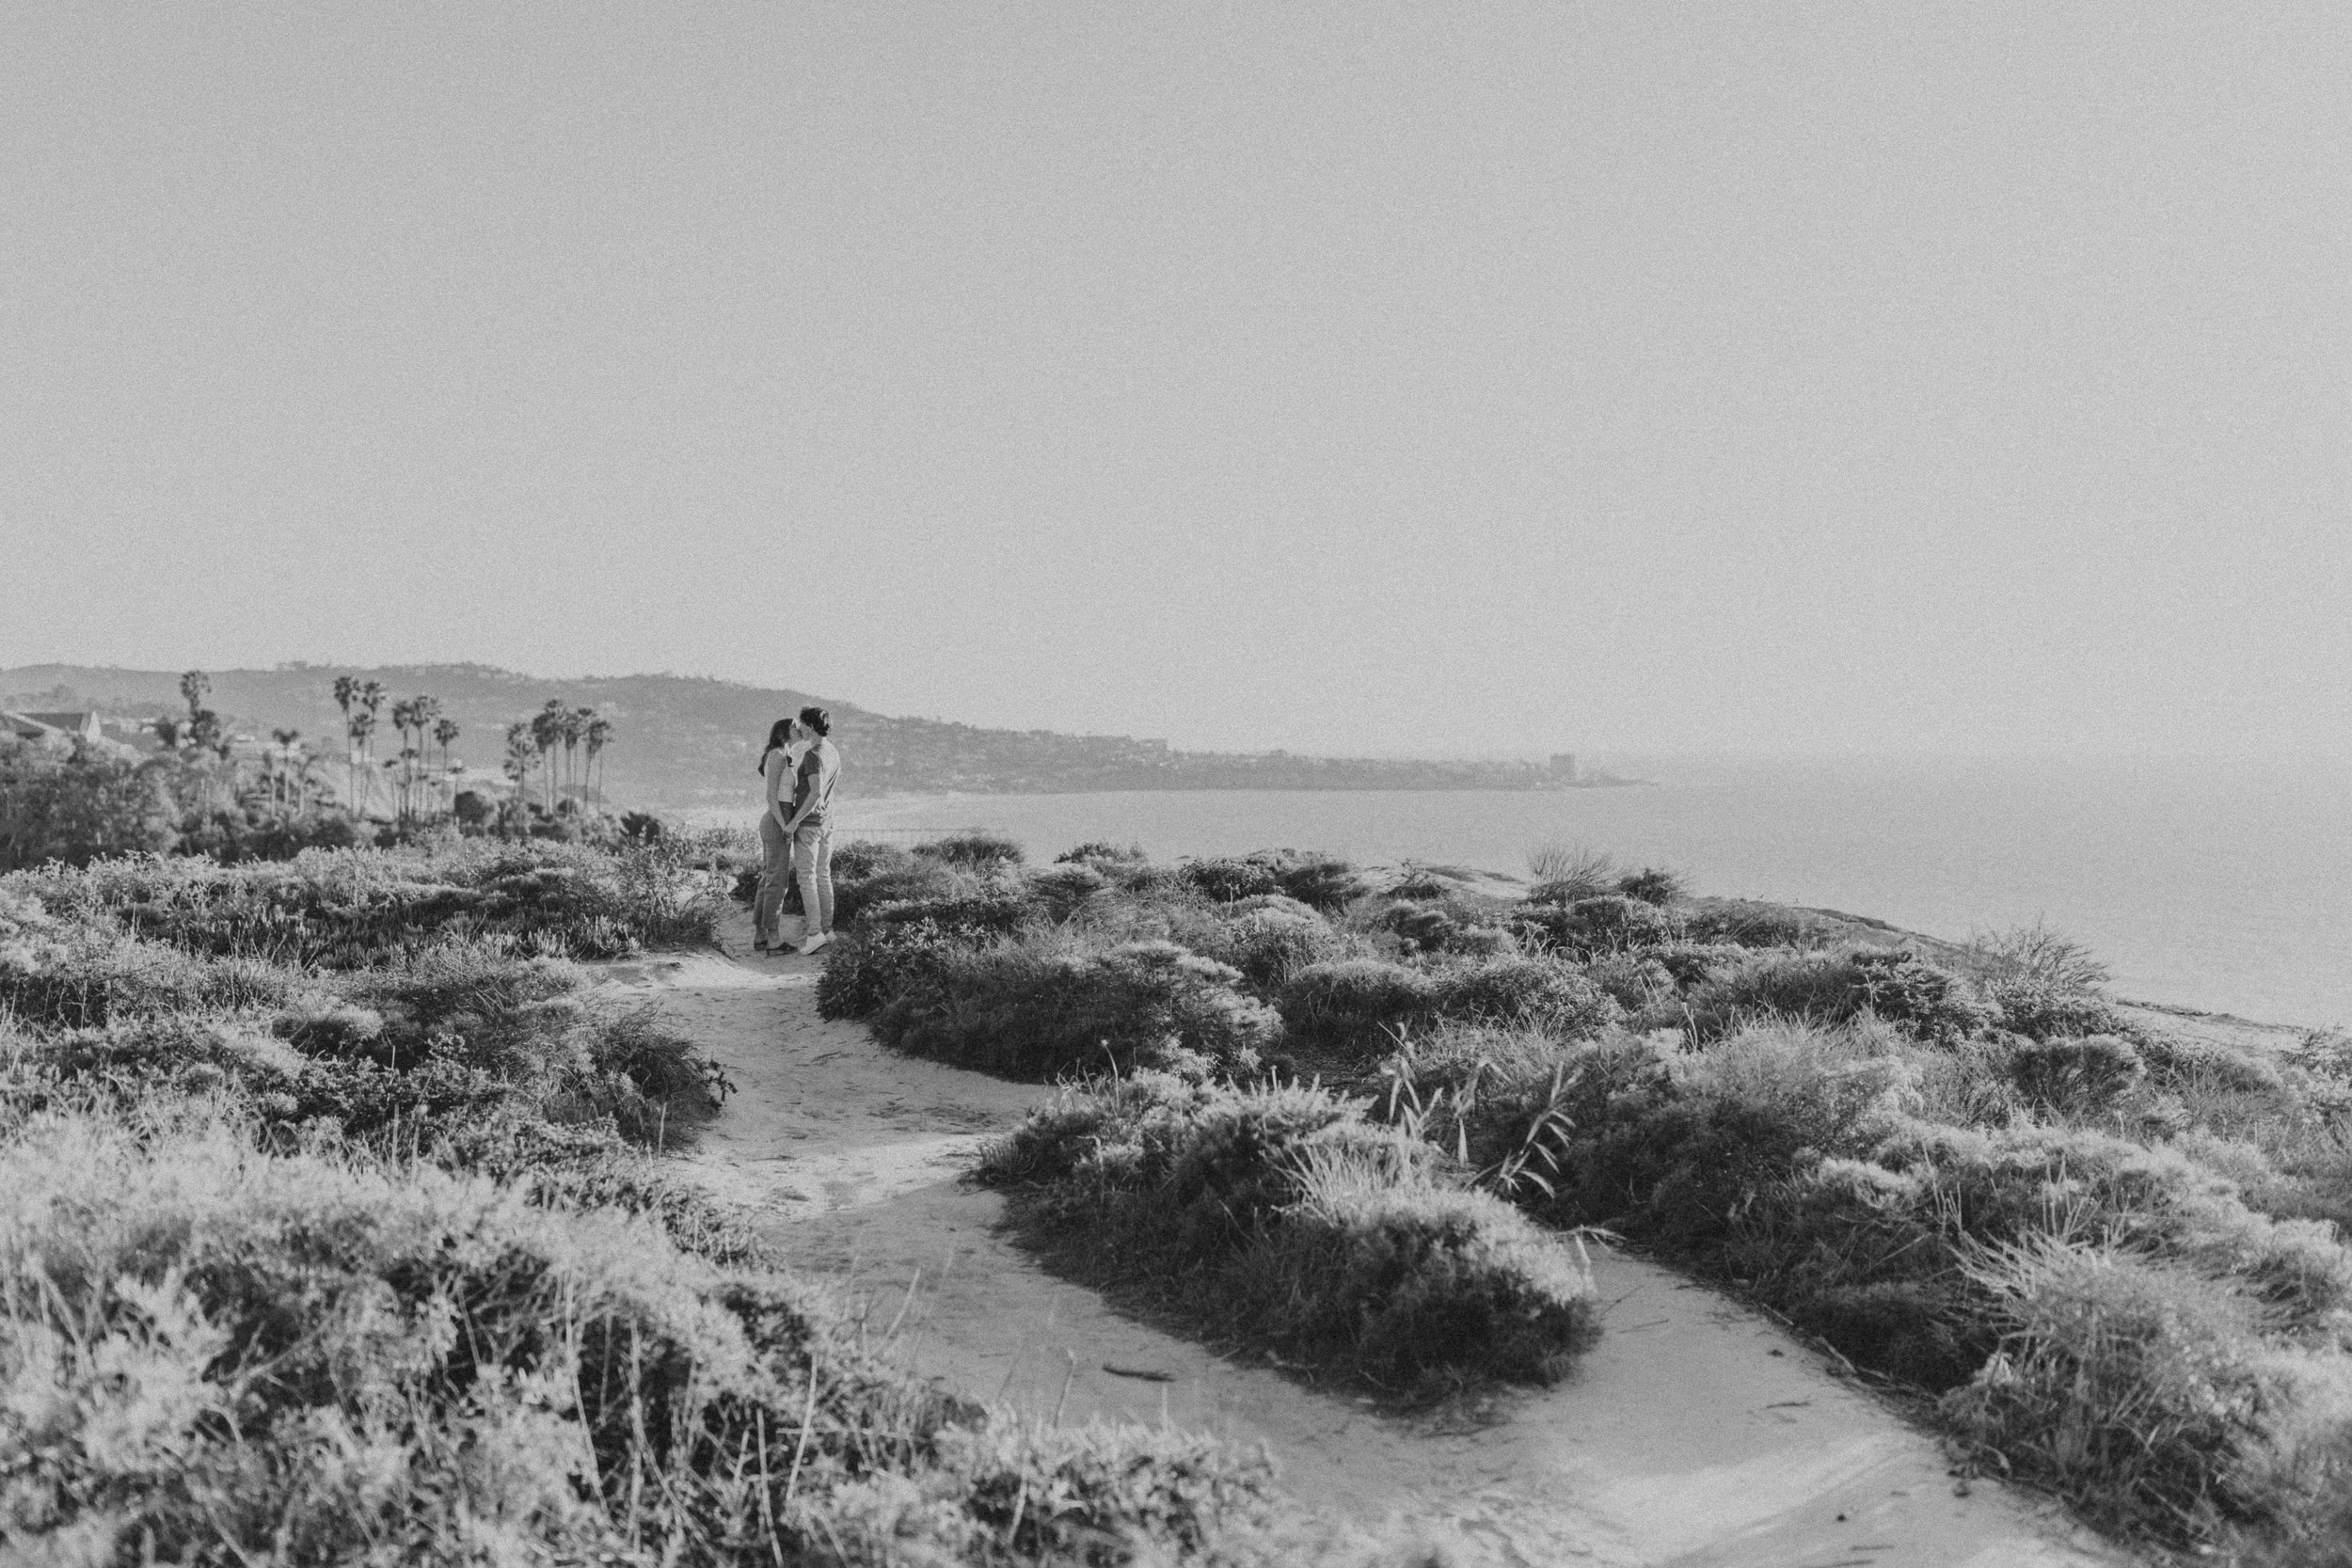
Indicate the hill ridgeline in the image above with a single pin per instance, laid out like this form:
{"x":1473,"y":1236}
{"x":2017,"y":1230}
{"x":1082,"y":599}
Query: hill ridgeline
{"x":681,"y":741}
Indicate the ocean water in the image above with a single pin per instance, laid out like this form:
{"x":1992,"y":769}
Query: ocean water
{"x":2226,"y":886}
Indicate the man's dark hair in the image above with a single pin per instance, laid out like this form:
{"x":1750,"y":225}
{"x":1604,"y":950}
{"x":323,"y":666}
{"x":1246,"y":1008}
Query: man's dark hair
{"x":816,"y":718}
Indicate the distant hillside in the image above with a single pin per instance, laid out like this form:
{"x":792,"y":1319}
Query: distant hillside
{"x":681,"y":740}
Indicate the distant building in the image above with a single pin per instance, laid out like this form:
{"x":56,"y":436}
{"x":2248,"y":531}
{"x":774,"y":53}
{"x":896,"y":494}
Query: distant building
{"x":1564,"y":765}
{"x":24,"y":726}
{"x":80,"y":726}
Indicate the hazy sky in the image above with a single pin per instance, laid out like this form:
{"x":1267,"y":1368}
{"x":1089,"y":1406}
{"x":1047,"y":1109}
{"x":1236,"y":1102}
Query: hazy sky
{"x":1597,"y":375}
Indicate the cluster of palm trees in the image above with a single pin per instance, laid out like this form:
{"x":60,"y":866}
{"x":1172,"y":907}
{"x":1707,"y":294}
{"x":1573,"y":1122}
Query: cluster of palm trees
{"x":557,"y":753}
{"x":551,"y":743}
{"x":420,"y":723}
{"x":359,"y":700}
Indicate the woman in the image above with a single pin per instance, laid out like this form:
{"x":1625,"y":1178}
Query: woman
{"x":778,"y":764}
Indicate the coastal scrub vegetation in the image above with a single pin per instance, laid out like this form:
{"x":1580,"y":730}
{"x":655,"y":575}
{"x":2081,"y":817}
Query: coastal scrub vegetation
{"x":206,"y":790}
{"x":2104,"y":1250}
{"x":335,"y":1227}
{"x":1185,"y":1166}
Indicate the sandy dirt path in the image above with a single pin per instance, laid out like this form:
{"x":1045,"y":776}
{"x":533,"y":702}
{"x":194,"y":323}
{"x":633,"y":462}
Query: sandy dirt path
{"x":1697,"y":1433}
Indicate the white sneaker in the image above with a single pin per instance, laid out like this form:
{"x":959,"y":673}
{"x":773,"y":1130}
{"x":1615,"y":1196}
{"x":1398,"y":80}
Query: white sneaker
{"x":813,"y":943}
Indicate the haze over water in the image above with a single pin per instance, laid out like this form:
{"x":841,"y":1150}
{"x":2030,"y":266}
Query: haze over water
{"x":2221,"y":885}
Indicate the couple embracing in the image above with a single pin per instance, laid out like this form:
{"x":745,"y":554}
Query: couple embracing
{"x":798,"y":768}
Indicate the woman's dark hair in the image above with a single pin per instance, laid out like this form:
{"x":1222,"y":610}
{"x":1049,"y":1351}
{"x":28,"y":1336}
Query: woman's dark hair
{"x":778,"y":733}
{"x":816,"y":718}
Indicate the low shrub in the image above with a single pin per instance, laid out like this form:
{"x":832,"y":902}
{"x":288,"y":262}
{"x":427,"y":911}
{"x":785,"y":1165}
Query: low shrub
{"x":866,"y":967}
{"x":1534,"y":993}
{"x":1100,"y":853}
{"x":1319,"y":881}
{"x":237,"y":1357}
{"x":1063,"y":890}
{"x":1748,"y":923}
{"x":2144,"y":1392}
{"x":2074,"y":1077}
{"x":1356,"y":1006}
{"x":1227,"y":878}
{"x":976,"y":850}
{"x":1420,"y":928}
{"x":990,"y":910}
{"x":1634,"y":981}
{"x":913,"y":881}
{"x":2041,"y":1012}
{"x":1565,"y":873}
{"x":349,"y":909}
{"x":1833,"y":986}
{"x":1281,"y":1219}
{"x":1037,"y":1007}
{"x":1652,"y":885}
{"x":1611,"y":923}
{"x":860,"y":860}
{"x":2037,"y":956}
{"x":1272,"y":943}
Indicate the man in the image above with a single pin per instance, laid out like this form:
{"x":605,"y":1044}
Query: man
{"x":810,"y":826}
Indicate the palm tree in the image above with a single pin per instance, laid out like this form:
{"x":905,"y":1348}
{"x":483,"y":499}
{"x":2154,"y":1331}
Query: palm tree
{"x":575,"y":730}
{"x":370,"y":698}
{"x":547,"y":733}
{"x":283,"y":791}
{"x":347,"y":692}
{"x":428,"y":709}
{"x":404,"y":720}
{"x":521,"y":752}
{"x":445,"y":730}
{"x":363,"y":728}
{"x":599,"y":733}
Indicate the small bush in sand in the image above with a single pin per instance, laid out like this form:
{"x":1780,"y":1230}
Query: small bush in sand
{"x":863,"y":859}
{"x":866,"y":967}
{"x":1100,"y":853}
{"x":1565,"y":872}
{"x":1228,"y":878}
{"x":1534,"y":993}
{"x":1319,"y":881}
{"x":976,"y":850}
{"x":1356,"y":1005}
{"x":1270,"y":944}
{"x":1063,"y":891}
{"x":2037,"y":954}
{"x":2074,"y":1077}
{"x":1362,"y":1006}
{"x":1652,"y":885}
{"x":1281,"y":1219}
{"x":1419,"y":927}
{"x":1038,"y":1005}
{"x":894,"y":882}
{"x":1833,"y":986}
{"x":2041,"y":1012}
{"x":2145,"y":1392}
{"x":1609,"y":923}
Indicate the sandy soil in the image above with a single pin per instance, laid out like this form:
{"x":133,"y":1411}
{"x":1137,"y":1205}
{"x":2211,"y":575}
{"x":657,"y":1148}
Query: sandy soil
{"x":1697,"y":1433}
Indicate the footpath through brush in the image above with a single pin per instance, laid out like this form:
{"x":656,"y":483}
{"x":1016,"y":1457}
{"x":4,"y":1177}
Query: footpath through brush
{"x":1696,"y":1432}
